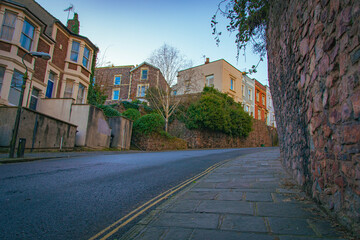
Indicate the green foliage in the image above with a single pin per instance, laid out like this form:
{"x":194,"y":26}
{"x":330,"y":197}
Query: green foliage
{"x":148,"y":124}
{"x":109,"y":111}
{"x":218,"y":112}
{"x":132,"y":114}
{"x":248,"y":18}
{"x":128,"y":105}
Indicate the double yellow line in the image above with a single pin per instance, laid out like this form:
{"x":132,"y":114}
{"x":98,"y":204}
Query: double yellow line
{"x":113,"y":228}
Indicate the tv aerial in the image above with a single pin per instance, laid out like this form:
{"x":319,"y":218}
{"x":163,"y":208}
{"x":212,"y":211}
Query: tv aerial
{"x":69,"y":9}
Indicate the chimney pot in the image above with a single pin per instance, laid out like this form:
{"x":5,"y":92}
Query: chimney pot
{"x":207,"y":60}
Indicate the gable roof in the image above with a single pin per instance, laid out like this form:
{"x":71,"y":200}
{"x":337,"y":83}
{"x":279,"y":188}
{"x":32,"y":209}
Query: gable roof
{"x":45,"y":17}
{"x":144,"y":63}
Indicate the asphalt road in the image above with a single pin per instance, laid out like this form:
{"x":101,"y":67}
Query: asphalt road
{"x":75,"y":198}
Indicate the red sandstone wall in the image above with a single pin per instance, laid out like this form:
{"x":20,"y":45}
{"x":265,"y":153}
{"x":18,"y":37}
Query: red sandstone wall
{"x":157,"y":142}
{"x":313,"y":63}
{"x":261,"y":135}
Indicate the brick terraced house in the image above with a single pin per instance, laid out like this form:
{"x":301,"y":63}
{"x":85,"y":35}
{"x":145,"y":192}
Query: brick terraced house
{"x":27,"y":27}
{"x":128,"y":82}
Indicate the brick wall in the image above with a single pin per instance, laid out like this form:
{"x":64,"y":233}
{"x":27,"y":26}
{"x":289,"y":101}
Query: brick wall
{"x":60,"y":49}
{"x":41,"y":64}
{"x":313,"y":63}
{"x":105,"y":79}
{"x":261,"y":135}
{"x":154,"y":77}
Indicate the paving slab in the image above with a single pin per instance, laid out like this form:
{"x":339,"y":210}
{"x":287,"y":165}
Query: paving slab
{"x":294,"y":210}
{"x":201,"y":234}
{"x":218,"y":206}
{"x":190,"y":220}
{"x":230,"y":196}
{"x":258,"y":197}
{"x":244,"y":223}
{"x":293,"y":226}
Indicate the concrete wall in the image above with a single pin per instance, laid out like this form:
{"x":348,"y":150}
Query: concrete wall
{"x":79,"y":117}
{"x":93,"y":130}
{"x":121,"y":132}
{"x":59,"y":108}
{"x":98,"y":130}
{"x":39,"y":130}
{"x":314,"y":70}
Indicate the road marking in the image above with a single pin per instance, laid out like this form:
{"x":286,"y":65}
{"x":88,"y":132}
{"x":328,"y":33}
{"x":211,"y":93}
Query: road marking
{"x":113,"y":228}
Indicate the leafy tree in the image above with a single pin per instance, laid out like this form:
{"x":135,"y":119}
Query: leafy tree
{"x":248,"y":18}
{"x":218,"y":112}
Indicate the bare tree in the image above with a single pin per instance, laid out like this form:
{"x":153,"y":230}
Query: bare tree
{"x":101,"y":60}
{"x":169,"y":60}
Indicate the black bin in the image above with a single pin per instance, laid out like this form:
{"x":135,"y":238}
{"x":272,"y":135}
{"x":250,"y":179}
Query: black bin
{"x":21,"y":147}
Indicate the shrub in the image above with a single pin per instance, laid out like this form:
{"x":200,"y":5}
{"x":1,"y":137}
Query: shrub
{"x":148,"y":124}
{"x":218,"y":112}
{"x":127,"y":105}
{"x":132,"y":114}
{"x":109,"y":111}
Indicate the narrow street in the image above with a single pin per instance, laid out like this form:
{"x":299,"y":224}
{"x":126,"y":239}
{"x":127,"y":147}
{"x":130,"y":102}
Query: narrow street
{"x":75,"y":198}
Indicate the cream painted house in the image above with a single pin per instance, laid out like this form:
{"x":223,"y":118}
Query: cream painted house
{"x":220,"y":74}
{"x":248,"y":93}
{"x":270,"y":120}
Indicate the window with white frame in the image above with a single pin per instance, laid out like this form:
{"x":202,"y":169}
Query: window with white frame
{"x":243,"y":90}
{"x":34,"y":98}
{"x":257,"y":96}
{"x":259,"y":114}
{"x":86,"y":57}
{"x":27,"y":35}
{"x":117,"y":79}
{"x":8,"y":26}
{"x":247,"y":108}
{"x":15,"y":88}
{"x":209,"y":81}
{"x":187,"y":85}
{"x":144,"y":74}
{"x":116,"y":94}
{"x":141,"y":90}
{"x":2,"y":73}
{"x":75,"y":49}
{"x":81,"y":94}
{"x":250,"y":94}
{"x":50,"y":85}
{"x":232,"y":82}
{"x":69,"y":89}
{"x":263,"y":99}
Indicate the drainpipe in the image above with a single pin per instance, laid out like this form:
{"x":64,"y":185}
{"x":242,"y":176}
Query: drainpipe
{"x":130,"y":85}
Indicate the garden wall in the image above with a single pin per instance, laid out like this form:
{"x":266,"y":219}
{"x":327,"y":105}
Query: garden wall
{"x":158,"y":142}
{"x":261,"y":135}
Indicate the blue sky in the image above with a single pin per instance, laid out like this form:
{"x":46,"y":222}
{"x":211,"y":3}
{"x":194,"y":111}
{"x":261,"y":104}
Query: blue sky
{"x":126,"y":32}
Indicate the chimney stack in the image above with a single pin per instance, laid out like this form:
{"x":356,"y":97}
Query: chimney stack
{"x":207,"y":60}
{"x":73,"y":24}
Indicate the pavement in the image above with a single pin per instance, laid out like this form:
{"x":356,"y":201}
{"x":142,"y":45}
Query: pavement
{"x":250,"y":197}
{"x":34,"y":156}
